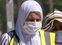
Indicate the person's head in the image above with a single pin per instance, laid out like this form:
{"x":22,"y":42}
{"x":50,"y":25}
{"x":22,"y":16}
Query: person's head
{"x":57,"y":25}
{"x":54,"y":21}
{"x":30,"y":16}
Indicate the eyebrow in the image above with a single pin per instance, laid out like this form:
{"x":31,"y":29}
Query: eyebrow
{"x":38,"y":13}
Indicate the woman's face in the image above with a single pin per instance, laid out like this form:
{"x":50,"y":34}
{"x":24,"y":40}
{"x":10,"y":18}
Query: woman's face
{"x":34,"y":16}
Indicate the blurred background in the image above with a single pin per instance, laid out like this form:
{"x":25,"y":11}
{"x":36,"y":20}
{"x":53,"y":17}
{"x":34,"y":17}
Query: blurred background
{"x":9,"y":11}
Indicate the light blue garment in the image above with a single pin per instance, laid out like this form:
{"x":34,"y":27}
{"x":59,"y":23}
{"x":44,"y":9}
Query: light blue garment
{"x":25,"y":9}
{"x":59,"y":36}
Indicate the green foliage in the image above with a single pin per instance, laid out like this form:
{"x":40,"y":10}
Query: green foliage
{"x":3,"y":14}
{"x":57,"y":2}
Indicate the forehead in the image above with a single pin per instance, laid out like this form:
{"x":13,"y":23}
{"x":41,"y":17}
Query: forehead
{"x":34,"y":14}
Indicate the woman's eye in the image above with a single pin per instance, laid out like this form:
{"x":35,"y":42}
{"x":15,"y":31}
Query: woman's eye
{"x":34,"y":20}
{"x":31,"y":20}
{"x":38,"y":20}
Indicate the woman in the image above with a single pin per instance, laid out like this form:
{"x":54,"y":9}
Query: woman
{"x":28,"y":27}
{"x":28,"y":23}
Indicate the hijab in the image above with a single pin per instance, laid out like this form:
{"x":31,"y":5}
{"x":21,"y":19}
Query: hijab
{"x":25,"y":9}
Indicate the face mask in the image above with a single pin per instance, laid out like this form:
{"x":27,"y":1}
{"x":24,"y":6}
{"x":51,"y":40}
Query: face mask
{"x":32,"y":27}
{"x":59,"y":36}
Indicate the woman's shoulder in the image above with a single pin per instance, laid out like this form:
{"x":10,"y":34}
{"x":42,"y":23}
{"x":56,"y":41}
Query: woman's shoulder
{"x":41,"y":29}
{"x":11,"y":33}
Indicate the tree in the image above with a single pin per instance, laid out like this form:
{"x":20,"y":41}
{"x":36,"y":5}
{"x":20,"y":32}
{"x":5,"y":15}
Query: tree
{"x":2,"y":15}
{"x":17,"y":4}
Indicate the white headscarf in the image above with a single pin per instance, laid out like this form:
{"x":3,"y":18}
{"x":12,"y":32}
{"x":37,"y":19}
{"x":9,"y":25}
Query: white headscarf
{"x":25,"y":9}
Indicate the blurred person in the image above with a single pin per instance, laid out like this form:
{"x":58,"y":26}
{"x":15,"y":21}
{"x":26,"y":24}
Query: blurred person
{"x":53,"y":23}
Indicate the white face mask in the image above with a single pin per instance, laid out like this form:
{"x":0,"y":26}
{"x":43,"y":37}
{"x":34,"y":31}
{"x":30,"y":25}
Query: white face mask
{"x":32,"y":27}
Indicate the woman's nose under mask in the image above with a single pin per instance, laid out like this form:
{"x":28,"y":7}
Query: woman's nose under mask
{"x":32,"y":27}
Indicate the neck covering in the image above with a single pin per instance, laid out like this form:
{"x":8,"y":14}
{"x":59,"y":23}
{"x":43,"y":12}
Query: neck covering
{"x":25,"y":9}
